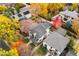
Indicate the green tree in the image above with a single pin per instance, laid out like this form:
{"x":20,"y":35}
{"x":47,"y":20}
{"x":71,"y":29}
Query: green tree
{"x":18,"y":6}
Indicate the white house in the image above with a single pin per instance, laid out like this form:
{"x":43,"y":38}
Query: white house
{"x":68,"y":15}
{"x":40,"y":32}
{"x":24,"y":13}
{"x":55,"y":43}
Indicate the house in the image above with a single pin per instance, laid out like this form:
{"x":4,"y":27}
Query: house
{"x":55,"y":43}
{"x":25,"y":25}
{"x":72,"y":14}
{"x":56,"y":22}
{"x":3,"y":45}
{"x":68,"y":15}
{"x":38,"y":33}
{"x":23,"y":14}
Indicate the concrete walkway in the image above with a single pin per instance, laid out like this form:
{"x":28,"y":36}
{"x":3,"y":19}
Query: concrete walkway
{"x":35,"y":49}
{"x":29,"y":43}
{"x":47,"y":54}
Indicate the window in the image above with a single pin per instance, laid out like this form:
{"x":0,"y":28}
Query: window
{"x":65,"y":19}
{"x":27,"y":12}
{"x":72,"y":18}
{"x":19,"y":15}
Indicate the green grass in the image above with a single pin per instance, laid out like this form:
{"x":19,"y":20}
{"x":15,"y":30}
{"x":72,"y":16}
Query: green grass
{"x":41,"y":51}
{"x":32,"y":45}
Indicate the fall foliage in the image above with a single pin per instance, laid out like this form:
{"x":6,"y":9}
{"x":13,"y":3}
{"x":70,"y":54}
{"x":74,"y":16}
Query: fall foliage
{"x":75,"y":26}
{"x":12,"y":52}
{"x":9,"y":29}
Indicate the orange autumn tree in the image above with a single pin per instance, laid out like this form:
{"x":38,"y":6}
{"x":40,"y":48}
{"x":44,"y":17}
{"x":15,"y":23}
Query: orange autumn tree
{"x":75,"y":26}
{"x":39,"y":9}
{"x":35,"y":8}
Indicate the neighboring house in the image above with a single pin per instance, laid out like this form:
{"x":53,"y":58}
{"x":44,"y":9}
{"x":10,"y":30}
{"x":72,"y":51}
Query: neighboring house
{"x":23,"y":14}
{"x":68,"y":15}
{"x":3,"y":45}
{"x":55,"y":43}
{"x":61,"y":31}
{"x":56,"y":22}
{"x":38,"y":33}
{"x":25,"y":25}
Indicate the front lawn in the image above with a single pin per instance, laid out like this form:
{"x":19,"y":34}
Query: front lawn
{"x":41,"y":51}
{"x":32,"y":45}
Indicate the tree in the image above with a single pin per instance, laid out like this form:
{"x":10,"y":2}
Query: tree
{"x":74,"y":6}
{"x":41,"y":10}
{"x":8,"y":29}
{"x":3,"y":8}
{"x":76,"y":47}
{"x":55,"y":7}
{"x":34,"y":9}
{"x":44,"y":9}
{"x":75,"y":26}
{"x":12,"y":52}
{"x":18,"y":6}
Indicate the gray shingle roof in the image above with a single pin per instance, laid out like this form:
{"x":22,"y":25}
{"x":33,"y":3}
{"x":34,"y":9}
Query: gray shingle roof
{"x":70,"y":13}
{"x":45,"y":25}
{"x":61,"y":31}
{"x":57,"y":41}
{"x":40,"y":30}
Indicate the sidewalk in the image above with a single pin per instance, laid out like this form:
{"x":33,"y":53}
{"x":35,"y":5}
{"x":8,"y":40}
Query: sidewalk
{"x":35,"y":49}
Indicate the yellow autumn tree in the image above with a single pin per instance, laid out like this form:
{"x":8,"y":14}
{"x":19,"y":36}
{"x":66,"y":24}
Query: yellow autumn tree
{"x":8,"y":29}
{"x":54,"y":8}
{"x":44,"y":9}
{"x":76,"y":47}
{"x":39,"y":9}
{"x":3,"y":8}
{"x":74,"y":6}
{"x":12,"y":52}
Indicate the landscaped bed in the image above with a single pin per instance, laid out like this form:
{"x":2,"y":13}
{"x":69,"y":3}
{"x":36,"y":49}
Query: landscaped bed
{"x":26,"y":40}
